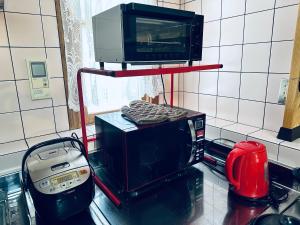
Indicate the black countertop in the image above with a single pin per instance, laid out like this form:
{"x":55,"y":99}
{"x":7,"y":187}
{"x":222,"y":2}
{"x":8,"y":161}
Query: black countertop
{"x":199,"y":197}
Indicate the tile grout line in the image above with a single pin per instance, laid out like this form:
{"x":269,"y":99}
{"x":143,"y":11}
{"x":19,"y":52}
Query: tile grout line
{"x":269,"y":66}
{"x":251,"y":13}
{"x":241,"y":67}
{"x":219,"y":58}
{"x":45,"y":48}
{"x":14,"y":74}
{"x":250,"y":43}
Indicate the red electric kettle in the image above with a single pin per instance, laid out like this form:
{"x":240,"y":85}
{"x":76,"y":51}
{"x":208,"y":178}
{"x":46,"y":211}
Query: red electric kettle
{"x":247,"y":170}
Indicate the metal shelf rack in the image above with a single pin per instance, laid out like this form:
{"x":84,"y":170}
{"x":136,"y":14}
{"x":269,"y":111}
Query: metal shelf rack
{"x":128,"y":73}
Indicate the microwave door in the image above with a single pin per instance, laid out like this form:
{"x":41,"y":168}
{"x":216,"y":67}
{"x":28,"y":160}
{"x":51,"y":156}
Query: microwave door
{"x":193,"y":141}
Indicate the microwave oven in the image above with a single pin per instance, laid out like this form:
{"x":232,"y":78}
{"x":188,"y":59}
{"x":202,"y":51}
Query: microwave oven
{"x":135,"y":158}
{"x":145,"y":34}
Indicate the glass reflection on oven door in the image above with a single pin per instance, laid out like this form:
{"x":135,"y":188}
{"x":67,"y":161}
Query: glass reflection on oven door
{"x":160,"y":36}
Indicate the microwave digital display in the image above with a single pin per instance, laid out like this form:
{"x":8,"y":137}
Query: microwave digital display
{"x":161,"y":36}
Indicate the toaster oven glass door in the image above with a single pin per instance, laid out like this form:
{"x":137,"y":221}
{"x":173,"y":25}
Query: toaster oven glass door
{"x":154,"y":39}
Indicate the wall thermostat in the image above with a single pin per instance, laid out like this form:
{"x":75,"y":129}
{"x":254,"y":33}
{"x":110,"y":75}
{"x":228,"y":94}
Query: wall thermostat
{"x":38,"y":79}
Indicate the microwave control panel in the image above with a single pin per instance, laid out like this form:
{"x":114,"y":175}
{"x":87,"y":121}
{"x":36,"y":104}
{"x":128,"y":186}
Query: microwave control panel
{"x":197,"y":130}
{"x":38,"y":79}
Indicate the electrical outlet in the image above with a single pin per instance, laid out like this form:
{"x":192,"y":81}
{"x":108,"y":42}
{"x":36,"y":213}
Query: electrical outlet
{"x":284,"y":83}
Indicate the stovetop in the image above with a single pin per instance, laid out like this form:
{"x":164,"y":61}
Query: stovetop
{"x":199,"y":197}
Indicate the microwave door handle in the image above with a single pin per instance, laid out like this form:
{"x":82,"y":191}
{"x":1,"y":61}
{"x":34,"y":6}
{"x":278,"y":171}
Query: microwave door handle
{"x":194,"y":141}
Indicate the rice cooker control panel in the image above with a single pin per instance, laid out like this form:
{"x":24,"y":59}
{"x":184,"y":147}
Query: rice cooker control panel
{"x":63,"y":181}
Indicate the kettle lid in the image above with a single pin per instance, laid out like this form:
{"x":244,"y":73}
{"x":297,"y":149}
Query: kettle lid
{"x":252,"y":146}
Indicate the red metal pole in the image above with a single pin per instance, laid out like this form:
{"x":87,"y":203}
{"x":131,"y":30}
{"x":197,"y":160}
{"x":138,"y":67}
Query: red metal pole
{"x":97,"y":180}
{"x":172,"y":90}
{"x":82,"y":113}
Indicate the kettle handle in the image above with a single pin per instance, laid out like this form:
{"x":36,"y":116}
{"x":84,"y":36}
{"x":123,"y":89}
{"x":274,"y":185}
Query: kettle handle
{"x":230,"y":161}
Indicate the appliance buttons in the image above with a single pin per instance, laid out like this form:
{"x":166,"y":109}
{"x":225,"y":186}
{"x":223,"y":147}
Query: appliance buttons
{"x":44,"y":183}
{"x":82,"y":172}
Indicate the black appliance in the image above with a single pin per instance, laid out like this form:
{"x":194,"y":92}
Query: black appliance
{"x":135,"y":157}
{"x":145,"y":34}
{"x":216,"y":152}
{"x":58,"y":178}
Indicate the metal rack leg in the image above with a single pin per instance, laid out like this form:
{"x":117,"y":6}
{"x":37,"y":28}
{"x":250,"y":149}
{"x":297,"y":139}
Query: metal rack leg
{"x":172,"y":89}
{"x":97,"y":180}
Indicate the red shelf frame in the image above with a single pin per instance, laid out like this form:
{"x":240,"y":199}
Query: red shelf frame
{"x":127,"y":73}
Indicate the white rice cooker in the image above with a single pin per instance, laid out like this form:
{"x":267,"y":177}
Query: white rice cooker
{"x":58,"y":177}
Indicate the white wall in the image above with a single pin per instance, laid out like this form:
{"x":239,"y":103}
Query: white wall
{"x":254,"y":42}
{"x":28,"y":30}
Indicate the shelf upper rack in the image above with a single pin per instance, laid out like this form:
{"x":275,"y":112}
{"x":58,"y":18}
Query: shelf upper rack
{"x":149,"y":72}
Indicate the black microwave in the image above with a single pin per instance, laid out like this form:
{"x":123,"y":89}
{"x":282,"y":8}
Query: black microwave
{"x":145,"y":34}
{"x":134,"y":158}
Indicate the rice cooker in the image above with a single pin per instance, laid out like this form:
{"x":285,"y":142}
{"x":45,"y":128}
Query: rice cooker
{"x":58,"y":177}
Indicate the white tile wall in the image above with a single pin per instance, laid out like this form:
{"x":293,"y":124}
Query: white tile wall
{"x":232,"y":30}
{"x":273,"y":117}
{"x":24,"y":30}
{"x":228,"y":10}
{"x":258,"y":5}
{"x":211,"y":34}
{"x":31,"y":35}
{"x":3,"y":33}
{"x":54,"y":64}
{"x":8,"y":96}
{"x":285,"y":23}
{"x":190,"y":101}
{"x":258,"y":27}
{"x":251,"y":80}
{"x":255,"y":48}
{"x":11,"y":127}
{"x":6,"y":65}
{"x":251,"y":113}
{"x":227,"y":80}
{"x":281,"y":57}
{"x":232,"y":63}
{"x":28,"y":6}
{"x":50,"y":31}
{"x":256,"y":57}
{"x":191,"y":82}
{"x":227,"y":108}
{"x":211,"y":9}
{"x":207,"y":103}
{"x":48,"y":7}
{"x":38,"y":122}
{"x":208,"y":83}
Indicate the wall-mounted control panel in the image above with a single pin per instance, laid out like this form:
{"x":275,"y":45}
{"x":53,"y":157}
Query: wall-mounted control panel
{"x":38,"y":79}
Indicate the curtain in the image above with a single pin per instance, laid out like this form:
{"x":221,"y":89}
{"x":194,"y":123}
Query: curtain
{"x":100,"y":93}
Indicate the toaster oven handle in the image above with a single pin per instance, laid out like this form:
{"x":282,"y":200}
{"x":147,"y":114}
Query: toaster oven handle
{"x":194,"y":140}
{"x":47,"y":143}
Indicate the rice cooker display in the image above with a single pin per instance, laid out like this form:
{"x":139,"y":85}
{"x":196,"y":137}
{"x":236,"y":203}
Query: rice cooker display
{"x":61,"y":179}
{"x":64,"y":182}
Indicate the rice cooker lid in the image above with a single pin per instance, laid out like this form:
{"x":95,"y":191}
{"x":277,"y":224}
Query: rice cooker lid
{"x":51,"y":162}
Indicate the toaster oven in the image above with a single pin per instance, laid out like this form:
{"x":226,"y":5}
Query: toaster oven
{"x":145,"y":34}
{"x":135,"y":157}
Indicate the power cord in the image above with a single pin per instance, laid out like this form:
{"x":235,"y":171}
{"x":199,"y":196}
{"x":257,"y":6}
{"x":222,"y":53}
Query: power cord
{"x":164,"y":91}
